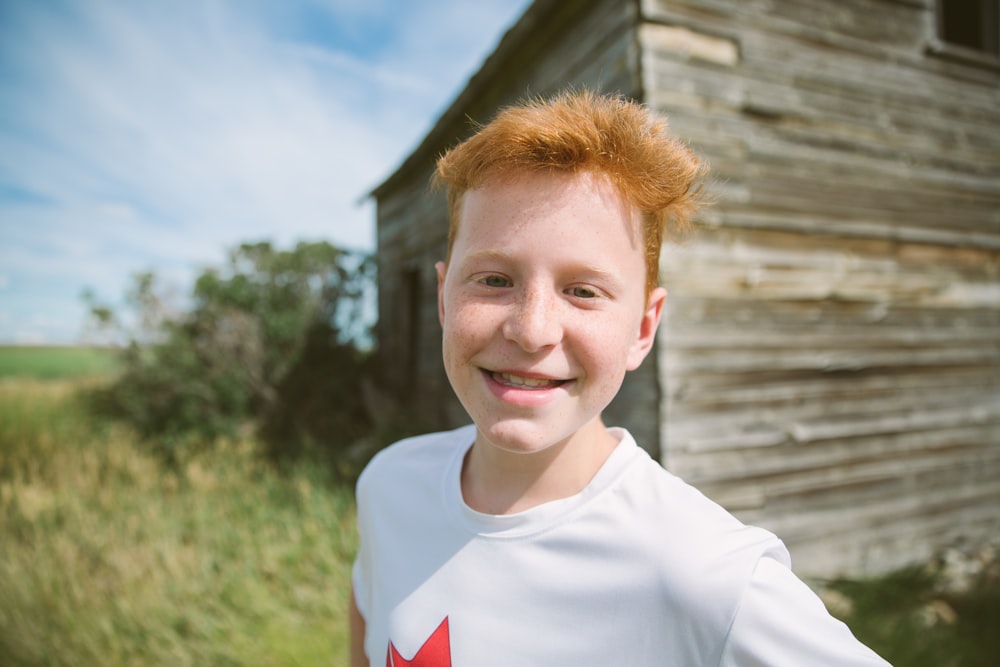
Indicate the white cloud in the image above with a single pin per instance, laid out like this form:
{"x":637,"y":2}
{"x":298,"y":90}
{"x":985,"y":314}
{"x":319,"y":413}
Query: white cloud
{"x":160,"y":134}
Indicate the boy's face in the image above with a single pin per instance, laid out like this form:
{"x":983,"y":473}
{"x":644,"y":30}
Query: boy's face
{"x":543,"y":307}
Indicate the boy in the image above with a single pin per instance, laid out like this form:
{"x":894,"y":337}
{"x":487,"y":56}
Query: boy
{"x":537,"y":535}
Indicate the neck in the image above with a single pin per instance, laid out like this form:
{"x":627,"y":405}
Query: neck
{"x":496,"y":481}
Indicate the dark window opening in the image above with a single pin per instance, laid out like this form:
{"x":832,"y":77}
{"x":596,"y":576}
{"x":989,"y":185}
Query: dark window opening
{"x":412,"y":295}
{"x":973,"y":24}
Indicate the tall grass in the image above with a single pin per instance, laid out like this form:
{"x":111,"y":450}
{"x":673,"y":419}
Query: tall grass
{"x":107,"y":558}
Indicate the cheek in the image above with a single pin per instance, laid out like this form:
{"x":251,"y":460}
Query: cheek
{"x":608,"y":349}
{"x":464,"y":327}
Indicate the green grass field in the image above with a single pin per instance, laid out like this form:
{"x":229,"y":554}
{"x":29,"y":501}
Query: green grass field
{"x":108,"y":557}
{"x":55,"y":362}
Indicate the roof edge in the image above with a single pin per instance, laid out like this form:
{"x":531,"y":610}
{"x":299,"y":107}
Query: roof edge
{"x":511,"y":42}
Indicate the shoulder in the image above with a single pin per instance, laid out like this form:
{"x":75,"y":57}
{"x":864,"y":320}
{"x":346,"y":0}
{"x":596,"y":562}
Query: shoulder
{"x":414,"y":458}
{"x":703,"y":551}
{"x":692,"y":557}
{"x":683,"y":511}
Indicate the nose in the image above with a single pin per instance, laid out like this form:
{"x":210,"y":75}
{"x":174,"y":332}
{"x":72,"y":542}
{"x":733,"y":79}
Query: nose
{"x":533,"y":321}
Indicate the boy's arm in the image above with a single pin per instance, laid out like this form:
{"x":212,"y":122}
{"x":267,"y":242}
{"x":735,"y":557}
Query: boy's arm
{"x":357,"y":634}
{"x":782,"y":623}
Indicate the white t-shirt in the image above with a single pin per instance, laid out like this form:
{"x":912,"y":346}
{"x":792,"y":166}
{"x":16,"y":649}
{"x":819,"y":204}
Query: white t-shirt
{"x":637,"y":569}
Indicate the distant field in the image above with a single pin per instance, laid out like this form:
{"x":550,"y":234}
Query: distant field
{"x":49,"y":363}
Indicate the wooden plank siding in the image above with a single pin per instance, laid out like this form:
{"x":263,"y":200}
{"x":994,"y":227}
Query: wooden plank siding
{"x":831,"y":349}
{"x":829,"y":361}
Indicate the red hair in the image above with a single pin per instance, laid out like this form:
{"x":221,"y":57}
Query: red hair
{"x":584,"y":131}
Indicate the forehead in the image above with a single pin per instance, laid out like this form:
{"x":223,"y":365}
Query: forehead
{"x":537,"y":203}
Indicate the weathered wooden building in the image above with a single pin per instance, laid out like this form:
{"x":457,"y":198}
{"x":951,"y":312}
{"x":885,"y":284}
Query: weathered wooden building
{"x":829,"y":362}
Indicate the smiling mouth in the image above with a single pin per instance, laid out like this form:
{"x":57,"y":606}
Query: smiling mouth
{"x":522,"y":382}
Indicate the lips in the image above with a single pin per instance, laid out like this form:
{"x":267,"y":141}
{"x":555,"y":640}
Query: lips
{"x":524,"y":382}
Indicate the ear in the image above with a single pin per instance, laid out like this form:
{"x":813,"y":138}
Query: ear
{"x":646,"y":336}
{"x":440,"y":268}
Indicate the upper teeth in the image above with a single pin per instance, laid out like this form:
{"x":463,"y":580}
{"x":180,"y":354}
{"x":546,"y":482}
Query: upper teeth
{"x":525,"y":382}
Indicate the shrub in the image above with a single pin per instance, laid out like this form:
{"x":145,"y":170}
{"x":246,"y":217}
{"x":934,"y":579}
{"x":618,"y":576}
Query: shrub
{"x":274,"y":339}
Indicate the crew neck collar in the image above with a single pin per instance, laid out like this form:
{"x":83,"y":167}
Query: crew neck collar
{"x":540,"y":517}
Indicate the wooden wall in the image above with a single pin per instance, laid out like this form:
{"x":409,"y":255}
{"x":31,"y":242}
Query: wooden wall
{"x":831,"y":349}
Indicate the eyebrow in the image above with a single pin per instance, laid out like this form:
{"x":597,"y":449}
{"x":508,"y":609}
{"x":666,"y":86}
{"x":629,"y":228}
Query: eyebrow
{"x":487,"y":254}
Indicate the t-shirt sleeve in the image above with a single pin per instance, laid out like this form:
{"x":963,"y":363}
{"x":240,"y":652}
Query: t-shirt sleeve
{"x":782,"y":623}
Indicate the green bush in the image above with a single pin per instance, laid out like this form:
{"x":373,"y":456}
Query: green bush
{"x":274,"y":340}
{"x":320,"y":408}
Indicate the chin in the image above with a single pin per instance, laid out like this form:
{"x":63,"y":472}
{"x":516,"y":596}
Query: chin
{"x":518,"y":438}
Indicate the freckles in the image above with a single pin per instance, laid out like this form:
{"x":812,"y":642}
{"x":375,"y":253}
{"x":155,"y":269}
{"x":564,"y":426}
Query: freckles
{"x":467,"y":327}
{"x":467,"y":322}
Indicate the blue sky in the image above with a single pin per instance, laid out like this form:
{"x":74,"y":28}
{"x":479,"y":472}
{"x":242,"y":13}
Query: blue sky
{"x":156,"y":135}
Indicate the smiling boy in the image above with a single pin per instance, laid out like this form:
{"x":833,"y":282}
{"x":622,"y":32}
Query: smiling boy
{"x":544,"y":309}
{"x":538,"y":535}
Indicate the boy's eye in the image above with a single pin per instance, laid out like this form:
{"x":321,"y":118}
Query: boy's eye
{"x":495,"y":281}
{"x":583,"y":292}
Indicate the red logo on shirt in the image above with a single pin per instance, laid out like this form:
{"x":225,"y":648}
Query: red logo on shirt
{"x":436,"y":651}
